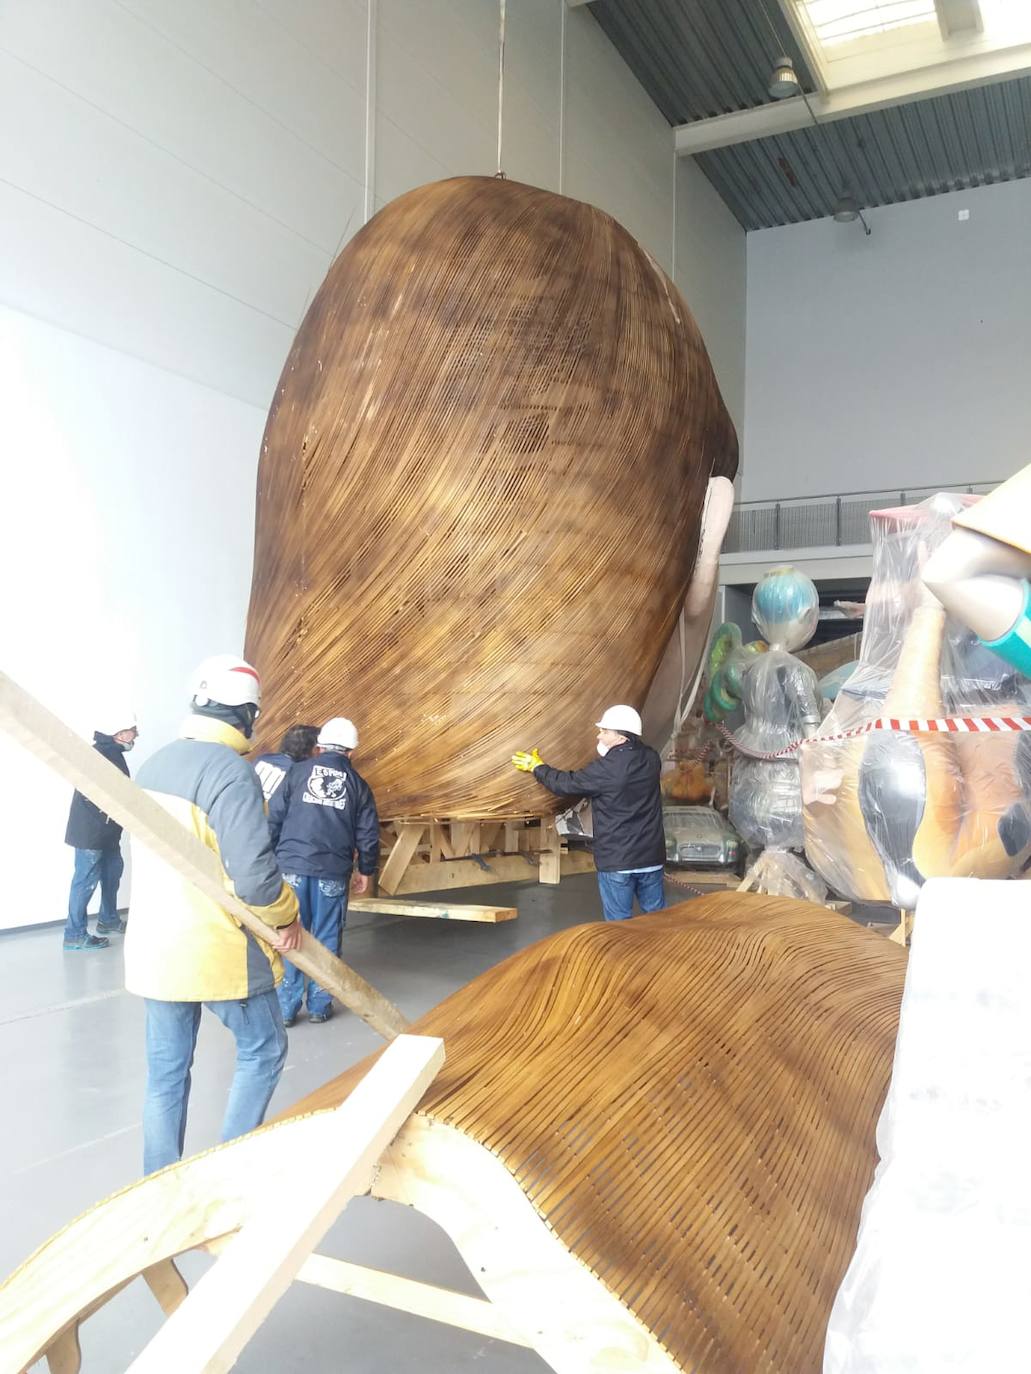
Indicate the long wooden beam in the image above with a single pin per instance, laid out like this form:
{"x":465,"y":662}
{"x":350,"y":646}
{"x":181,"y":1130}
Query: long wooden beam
{"x":457,"y":911}
{"x":209,"y":1330}
{"x":53,"y":743}
{"x":408,"y":1295}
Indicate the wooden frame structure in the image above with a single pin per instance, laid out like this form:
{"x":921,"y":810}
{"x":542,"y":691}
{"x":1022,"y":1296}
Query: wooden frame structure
{"x":432,"y":856}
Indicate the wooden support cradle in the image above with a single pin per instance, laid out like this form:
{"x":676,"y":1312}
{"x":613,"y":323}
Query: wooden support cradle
{"x":432,"y":856}
{"x":650,"y":1143}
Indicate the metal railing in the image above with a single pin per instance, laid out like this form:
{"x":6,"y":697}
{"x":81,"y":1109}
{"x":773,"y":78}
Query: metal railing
{"x":809,"y":522}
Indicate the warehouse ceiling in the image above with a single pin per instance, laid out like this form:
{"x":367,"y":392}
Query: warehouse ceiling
{"x":898,"y":99}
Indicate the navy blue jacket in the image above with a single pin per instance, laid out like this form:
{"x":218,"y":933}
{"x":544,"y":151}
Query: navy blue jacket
{"x":88,"y":826}
{"x":320,"y":815}
{"x":626,"y":804}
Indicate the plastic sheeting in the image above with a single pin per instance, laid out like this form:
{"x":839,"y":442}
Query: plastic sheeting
{"x":940,"y":1281}
{"x":888,"y":810}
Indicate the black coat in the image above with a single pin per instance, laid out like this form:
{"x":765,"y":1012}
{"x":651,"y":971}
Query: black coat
{"x":320,"y":814}
{"x":626,"y":804}
{"x":88,"y":826}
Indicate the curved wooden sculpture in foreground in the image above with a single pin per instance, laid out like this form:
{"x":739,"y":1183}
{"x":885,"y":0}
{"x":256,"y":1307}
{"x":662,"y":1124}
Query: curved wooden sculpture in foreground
{"x":650,"y":1142}
{"x":480,"y":492}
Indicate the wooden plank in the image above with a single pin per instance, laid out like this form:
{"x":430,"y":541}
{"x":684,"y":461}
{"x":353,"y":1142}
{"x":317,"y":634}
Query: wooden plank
{"x":513,"y":831}
{"x":496,"y":868}
{"x":441,"y":841}
{"x":211,"y":1328}
{"x":456,"y":911}
{"x":406,"y":1295}
{"x":51,"y":741}
{"x":409,"y":834}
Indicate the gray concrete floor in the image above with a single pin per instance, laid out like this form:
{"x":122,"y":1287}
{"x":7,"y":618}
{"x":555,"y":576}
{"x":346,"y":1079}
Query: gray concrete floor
{"x":71,"y":1050}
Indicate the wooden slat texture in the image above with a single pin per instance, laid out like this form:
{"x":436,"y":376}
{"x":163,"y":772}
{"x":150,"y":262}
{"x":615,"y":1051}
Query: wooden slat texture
{"x":480,"y":493}
{"x":689,"y":1100}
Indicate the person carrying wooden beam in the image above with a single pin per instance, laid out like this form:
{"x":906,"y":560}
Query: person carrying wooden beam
{"x":182,"y":950}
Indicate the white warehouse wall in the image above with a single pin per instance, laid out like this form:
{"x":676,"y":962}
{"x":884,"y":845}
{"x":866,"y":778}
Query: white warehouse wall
{"x":895,"y":360}
{"x":175,"y":181}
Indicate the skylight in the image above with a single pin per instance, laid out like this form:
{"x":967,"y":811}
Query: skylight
{"x":839,"y":21}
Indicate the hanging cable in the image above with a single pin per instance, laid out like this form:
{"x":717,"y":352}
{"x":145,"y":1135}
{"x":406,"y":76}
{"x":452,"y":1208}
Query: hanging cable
{"x":501,"y":78}
{"x":781,"y":47}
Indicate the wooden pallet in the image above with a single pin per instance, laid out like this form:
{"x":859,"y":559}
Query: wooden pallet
{"x":433,"y":856}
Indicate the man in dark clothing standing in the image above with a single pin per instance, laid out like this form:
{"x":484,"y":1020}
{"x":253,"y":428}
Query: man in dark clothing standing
{"x":298,"y":744}
{"x":319,"y":816}
{"x":96,"y":839}
{"x":626,"y":806}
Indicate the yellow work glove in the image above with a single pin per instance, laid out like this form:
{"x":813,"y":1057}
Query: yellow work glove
{"x":527,"y":762}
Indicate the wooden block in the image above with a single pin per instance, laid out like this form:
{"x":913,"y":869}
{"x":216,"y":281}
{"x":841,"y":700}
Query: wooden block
{"x":51,"y":741}
{"x":458,"y":911}
{"x":551,"y":854}
{"x":167,"y":1284}
{"x":500,"y":868}
{"x":513,"y":833}
{"x":441,"y":841}
{"x":209,"y":1330}
{"x":406,"y":1295}
{"x":409,"y":834}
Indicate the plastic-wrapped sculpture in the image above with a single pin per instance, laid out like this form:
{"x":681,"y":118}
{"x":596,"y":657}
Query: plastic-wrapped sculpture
{"x":891,"y":808}
{"x":481,"y":491}
{"x":781,"y":702}
{"x":980,"y":573}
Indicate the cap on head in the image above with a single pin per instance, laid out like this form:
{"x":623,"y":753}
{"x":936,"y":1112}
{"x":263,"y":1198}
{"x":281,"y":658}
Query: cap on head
{"x":126,"y":720}
{"x":622,"y":719}
{"x":338,"y":733}
{"x":226,"y":679}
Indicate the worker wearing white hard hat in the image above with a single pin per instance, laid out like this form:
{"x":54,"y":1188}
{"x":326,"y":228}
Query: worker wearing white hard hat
{"x":626,"y":805}
{"x":97,"y":841}
{"x":322,"y":818}
{"x":183,"y":951}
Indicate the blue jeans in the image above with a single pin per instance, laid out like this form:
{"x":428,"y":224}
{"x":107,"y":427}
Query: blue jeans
{"x":257,"y":1027}
{"x":618,"y":889}
{"x":92,"y":866}
{"x":323,"y":904}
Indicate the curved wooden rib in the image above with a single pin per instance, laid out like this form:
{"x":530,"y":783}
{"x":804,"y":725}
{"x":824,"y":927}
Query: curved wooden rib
{"x":650,"y":1142}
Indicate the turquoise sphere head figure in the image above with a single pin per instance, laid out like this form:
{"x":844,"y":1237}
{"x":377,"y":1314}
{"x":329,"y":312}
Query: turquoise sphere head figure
{"x":785,"y":608}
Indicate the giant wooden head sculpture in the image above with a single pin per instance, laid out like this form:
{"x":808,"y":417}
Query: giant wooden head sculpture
{"x":480,"y":492}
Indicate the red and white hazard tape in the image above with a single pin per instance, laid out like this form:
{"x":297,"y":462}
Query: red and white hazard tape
{"x":945,"y":725}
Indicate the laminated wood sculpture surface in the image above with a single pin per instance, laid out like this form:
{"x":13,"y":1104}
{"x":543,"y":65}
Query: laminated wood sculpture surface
{"x":650,"y":1142}
{"x":480,"y":492}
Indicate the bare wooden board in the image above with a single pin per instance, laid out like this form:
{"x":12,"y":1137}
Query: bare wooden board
{"x":495,"y":868}
{"x":53,"y":743}
{"x":408,"y":1295}
{"x":456,"y":911}
{"x":211,"y":1327}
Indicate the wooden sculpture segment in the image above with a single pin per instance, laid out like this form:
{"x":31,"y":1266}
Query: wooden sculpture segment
{"x":480,"y":492}
{"x":689,"y":1102}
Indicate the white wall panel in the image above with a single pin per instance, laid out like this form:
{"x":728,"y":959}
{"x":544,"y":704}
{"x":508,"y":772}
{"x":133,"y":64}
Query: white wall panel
{"x":898,"y":360}
{"x":174,"y":214}
{"x":107,"y":55}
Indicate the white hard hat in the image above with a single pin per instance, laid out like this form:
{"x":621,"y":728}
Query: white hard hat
{"x":339,"y":733}
{"x":107,"y":726}
{"x":622,"y":719}
{"x":226,"y":679}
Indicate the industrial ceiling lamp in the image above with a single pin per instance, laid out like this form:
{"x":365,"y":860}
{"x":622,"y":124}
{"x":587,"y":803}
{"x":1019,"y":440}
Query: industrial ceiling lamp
{"x":846,"y":210}
{"x":783,"y":81}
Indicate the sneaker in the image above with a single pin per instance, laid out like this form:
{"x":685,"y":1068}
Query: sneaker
{"x":289,"y":1021}
{"x":317,"y":1018}
{"x":117,"y":929}
{"x":87,"y":942}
